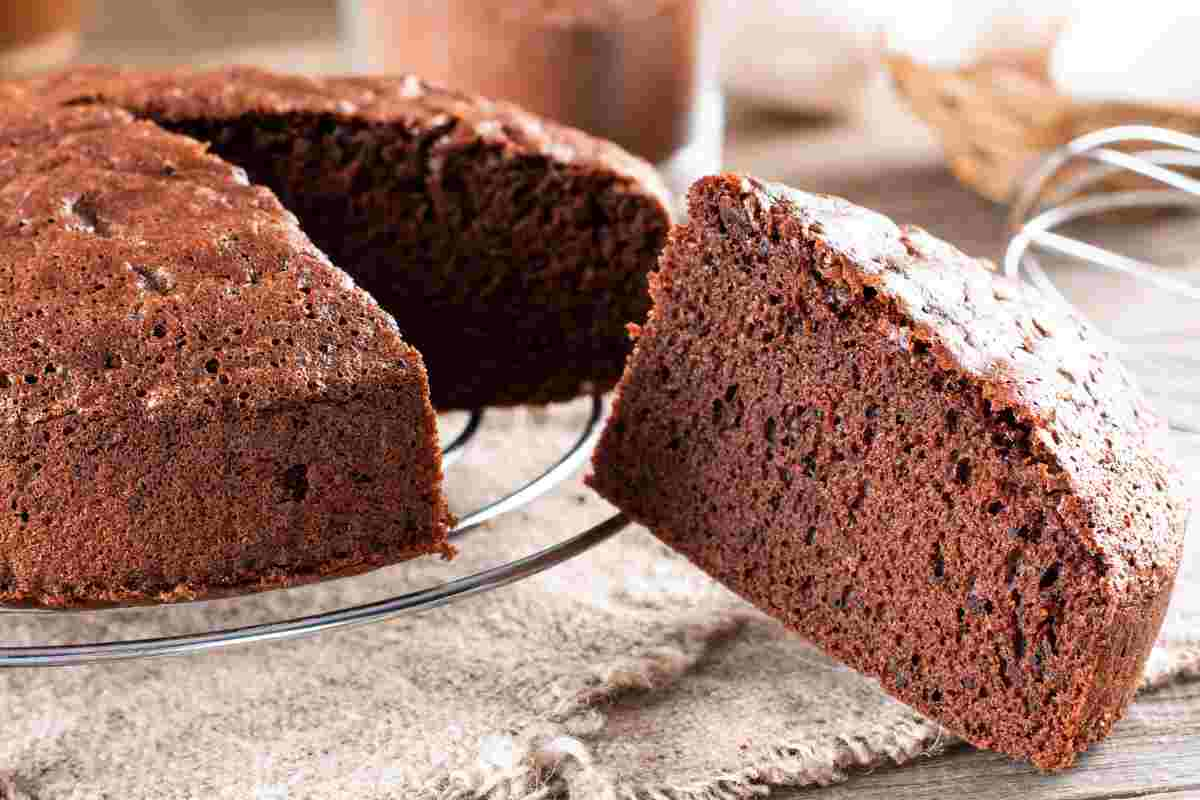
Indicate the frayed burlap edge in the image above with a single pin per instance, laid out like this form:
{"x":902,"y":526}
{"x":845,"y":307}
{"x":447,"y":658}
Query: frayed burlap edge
{"x":553,"y":760}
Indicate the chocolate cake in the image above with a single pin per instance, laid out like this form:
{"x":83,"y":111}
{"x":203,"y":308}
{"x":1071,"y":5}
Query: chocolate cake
{"x":921,"y":466}
{"x":512,"y":250}
{"x":193,"y":400}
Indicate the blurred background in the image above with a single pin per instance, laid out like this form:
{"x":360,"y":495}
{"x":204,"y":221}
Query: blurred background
{"x":654,"y":74}
{"x":650,"y":73}
{"x":37,"y":34}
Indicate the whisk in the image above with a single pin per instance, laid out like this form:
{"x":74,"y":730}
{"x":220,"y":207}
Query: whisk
{"x":1062,"y":189}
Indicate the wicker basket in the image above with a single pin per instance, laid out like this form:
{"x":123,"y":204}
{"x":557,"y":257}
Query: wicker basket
{"x":995,"y":118}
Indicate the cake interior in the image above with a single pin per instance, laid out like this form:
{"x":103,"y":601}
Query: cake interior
{"x":265,"y":500}
{"x":790,"y":435}
{"x":510,"y":273}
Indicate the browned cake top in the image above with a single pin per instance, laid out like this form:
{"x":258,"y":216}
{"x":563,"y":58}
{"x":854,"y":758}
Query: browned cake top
{"x":229,"y":92}
{"x":136,"y":271}
{"x":1090,"y":428}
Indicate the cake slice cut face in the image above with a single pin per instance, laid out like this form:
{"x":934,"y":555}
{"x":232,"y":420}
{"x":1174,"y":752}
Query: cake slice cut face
{"x":511,"y":250}
{"x":921,"y":466}
{"x":193,"y":400}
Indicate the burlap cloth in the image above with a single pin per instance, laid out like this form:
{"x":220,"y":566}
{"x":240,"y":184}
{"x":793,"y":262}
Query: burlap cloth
{"x":624,"y":673}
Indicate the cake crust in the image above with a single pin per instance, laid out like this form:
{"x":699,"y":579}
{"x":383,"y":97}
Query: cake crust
{"x":234,"y":91}
{"x":925,"y":467}
{"x":193,"y":400}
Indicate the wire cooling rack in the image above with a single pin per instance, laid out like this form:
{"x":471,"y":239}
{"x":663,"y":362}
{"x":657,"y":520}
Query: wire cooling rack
{"x":448,"y":592}
{"x":1046,"y":204}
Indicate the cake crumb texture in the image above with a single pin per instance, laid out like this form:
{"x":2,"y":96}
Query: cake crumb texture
{"x":923,"y":467}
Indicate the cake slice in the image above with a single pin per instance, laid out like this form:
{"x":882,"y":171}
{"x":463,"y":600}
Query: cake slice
{"x":511,"y":250}
{"x":193,"y":400}
{"x":919,"y":465}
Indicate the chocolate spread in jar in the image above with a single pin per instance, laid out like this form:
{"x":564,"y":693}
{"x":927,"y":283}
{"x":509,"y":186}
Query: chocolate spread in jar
{"x":625,"y":70}
{"x":38,"y":34}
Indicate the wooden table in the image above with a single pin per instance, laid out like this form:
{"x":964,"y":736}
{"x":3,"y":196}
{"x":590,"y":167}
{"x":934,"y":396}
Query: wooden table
{"x":882,"y":159}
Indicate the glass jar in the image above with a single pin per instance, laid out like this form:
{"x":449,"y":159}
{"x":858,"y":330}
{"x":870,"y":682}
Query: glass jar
{"x":641,"y":73}
{"x":38,"y":34}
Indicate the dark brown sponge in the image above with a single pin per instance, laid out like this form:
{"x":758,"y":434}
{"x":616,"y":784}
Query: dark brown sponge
{"x":193,"y":400}
{"x":922,"y":466}
{"x":511,"y":250}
